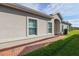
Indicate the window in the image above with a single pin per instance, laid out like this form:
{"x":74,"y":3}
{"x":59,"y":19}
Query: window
{"x":49,"y":27}
{"x":32,"y":27}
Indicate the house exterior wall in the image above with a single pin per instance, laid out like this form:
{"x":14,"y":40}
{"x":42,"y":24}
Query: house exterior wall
{"x":65,"y":26}
{"x":13,"y":26}
{"x":56,"y":17}
{"x":52,"y":20}
{"x":42,"y":28}
{"x":14,"y":30}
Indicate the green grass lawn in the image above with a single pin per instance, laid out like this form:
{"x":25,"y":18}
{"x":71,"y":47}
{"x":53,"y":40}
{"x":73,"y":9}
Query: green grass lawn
{"x":67,"y":47}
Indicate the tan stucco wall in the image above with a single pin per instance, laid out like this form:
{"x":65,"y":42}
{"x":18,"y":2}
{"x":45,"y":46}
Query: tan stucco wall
{"x":52,"y":20}
{"x":11,"y":26}
{"x":42,"y":27}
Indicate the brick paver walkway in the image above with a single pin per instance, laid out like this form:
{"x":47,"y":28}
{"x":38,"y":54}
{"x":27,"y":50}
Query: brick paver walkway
{"x":40,"y":44}
{"x":28,"y":47}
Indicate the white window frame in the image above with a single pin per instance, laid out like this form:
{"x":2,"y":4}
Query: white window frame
{"x":28,"y":26}
{"x":47,"y":27}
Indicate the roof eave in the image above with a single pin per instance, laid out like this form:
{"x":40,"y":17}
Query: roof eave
{"x":26,"y":9}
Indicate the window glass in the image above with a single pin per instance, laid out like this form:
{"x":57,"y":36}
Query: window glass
{"x":32,"y":27}
{"x":49,"y":27}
